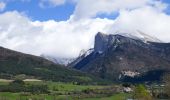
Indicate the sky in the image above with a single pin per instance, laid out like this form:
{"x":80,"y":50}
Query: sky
{"x":62,"y":28}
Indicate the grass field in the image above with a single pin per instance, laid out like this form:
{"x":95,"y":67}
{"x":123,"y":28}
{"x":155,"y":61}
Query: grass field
{"x":60,"y":86}
{"x":18,"y":96}
{"x":120,"y":96}
{"x":61,"y":91}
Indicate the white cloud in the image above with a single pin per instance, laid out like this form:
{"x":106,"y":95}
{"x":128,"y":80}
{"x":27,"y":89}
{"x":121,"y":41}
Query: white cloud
{"x":67,"y":38}
{"x":2,"y":6}
{"x":25,"y":0}
{"x":90,"y":8}
{"x":147,"y":19}
{"x":48,"y":3}
{"x":64,"y":38}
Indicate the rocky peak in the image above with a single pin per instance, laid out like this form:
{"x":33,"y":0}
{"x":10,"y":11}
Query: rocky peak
{"x":104,"y":41}
{"x":101,"y":41}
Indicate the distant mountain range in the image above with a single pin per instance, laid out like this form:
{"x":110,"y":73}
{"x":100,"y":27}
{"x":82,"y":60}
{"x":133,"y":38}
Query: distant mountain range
{"x":58,"y":60}
{"x":126,"y":57}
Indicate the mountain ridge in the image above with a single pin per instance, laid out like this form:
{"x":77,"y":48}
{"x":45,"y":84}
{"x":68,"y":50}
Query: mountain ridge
{"x":115,"y":54}
{"x":58,"y":60}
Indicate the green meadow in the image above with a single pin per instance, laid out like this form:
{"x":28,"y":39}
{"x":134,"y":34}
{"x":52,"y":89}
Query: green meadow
{"x":65,"y":91}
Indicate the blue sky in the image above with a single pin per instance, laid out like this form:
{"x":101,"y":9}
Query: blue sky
{"x":35,"y":12}
{"x":168,"y":9}
{"x":59,"y":13}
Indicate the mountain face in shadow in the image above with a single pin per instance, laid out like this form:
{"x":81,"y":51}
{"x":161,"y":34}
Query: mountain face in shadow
{"x":117,"y":57}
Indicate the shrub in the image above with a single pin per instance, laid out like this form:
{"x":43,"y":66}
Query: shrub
{"x":141,"y":93}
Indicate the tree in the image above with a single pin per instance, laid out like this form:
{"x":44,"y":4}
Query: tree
{"x":141,"y":93}
{"x":16,"y":86}
{"x":166,"y":79}
{"x":18,"y":81}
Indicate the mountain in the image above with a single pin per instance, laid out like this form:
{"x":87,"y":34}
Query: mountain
{"x":83,"y":54}
{"x":139,"y":35}
{"x":58,"y":60}
{"x":126,"y":58}
{"x":14,"y":63}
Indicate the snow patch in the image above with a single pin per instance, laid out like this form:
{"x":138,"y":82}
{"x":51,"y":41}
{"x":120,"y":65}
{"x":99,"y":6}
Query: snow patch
{"x":139,"y":35}
{"x":58,"y":60}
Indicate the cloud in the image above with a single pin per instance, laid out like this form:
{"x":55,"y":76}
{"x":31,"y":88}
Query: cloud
{"x":2,"y":6}
{"x":148,"y":19}
{"x":25,"y":0}
{"x":68,"y":38}
{"x":91,"y":8}
{"x":63,"y":39}
{"x":51,"y":3}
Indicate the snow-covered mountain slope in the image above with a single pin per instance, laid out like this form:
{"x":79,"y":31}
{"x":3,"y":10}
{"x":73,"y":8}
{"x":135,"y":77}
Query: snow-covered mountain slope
{"x":139,"y":35}
{"x":83,"y":54}
{"x":58,"y":60}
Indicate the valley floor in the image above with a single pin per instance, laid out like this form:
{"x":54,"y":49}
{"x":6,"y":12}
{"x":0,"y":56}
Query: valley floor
{"x":18,"y":96}
{"x":64,"y":91}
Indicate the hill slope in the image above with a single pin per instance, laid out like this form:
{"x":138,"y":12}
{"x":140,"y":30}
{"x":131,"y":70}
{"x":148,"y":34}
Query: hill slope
{"x":14,"y":63}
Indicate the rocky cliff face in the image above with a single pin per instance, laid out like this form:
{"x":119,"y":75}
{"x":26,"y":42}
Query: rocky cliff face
{"x":101,"y":42}
{"x":116,"y":57}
